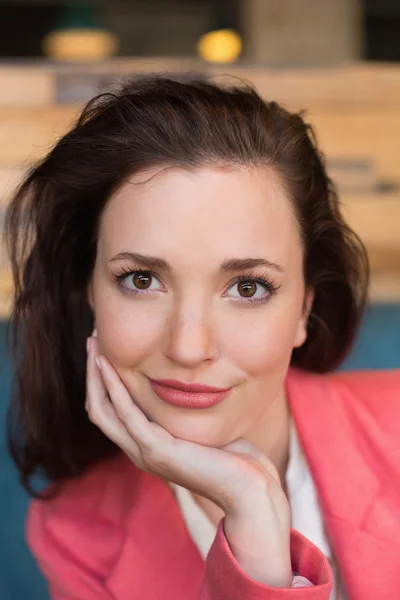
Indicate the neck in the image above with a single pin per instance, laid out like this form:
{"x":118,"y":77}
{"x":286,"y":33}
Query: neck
{"x":271,"y":435}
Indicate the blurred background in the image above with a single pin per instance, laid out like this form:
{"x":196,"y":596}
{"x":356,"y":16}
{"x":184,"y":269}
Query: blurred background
{"x":338,"y":60}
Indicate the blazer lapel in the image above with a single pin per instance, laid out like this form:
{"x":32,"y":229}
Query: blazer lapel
{"x":355,"y":470}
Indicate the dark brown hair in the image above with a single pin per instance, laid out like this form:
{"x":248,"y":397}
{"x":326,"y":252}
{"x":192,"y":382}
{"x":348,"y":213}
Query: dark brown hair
{"x":51,"y":227}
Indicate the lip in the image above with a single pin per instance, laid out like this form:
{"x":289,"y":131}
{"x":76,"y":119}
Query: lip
{"x":185,"y":399}
{"x":188,"y":387}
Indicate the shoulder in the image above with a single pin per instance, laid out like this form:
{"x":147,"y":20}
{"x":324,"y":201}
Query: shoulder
{"x":366,"y":397}
{"x":372,"y":386}
{"x":373,"y":395}
{"x":100,"y":490}
{"x":86,"y":520}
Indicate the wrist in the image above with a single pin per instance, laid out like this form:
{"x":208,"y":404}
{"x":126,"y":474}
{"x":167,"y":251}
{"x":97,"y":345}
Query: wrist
{"x":261,"y":551}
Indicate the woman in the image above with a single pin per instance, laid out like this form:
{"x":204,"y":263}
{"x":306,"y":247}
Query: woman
{"x":195,"y":228}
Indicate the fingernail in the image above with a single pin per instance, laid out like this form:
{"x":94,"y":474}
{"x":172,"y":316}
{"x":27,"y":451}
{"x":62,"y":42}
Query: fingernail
{"x":98,"y":362}
{"x":88,"y":340}
{"x":94,"y":334}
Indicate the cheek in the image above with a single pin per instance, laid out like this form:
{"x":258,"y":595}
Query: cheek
{"x":263,"y":344}
{"x":126,"y":335}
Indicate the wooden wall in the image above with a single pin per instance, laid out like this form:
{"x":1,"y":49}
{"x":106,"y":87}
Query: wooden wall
{"x":355,"y":110}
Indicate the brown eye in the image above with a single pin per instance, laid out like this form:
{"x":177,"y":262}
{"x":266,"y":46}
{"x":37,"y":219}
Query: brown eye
{"x":137,"y":282}
{"x":142,"y":280}
{"x":249,"y":288}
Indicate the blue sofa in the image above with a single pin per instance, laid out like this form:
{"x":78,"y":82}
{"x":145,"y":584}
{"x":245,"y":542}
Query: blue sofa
{"x":378,"y":347}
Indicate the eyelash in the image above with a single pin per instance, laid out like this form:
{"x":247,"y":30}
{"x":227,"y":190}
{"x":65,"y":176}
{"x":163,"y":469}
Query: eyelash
{"x":264,"y":280}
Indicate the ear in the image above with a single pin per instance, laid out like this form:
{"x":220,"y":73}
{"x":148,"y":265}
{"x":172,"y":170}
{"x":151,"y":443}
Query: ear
{"x":301,"y":333}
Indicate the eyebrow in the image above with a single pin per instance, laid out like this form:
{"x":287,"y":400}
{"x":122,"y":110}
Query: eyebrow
{"x":229,"y":265}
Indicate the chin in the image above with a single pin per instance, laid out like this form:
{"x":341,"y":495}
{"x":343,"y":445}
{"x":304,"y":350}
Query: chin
{"x":206,"y":433}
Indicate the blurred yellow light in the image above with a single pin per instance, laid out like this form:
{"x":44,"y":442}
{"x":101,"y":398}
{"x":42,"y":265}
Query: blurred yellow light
{"x":79,"y":44}
{"x":221,"y":46}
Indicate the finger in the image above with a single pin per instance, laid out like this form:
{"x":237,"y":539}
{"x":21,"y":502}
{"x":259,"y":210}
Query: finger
{"x":101,"y":411}
{"x":136,"y":423}
{"x":146,"y":443}
{"x":95,"y":388}
{"x":94,"y":385}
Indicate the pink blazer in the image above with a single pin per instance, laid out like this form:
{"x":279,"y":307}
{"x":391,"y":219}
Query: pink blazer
{"x":117,"y":533}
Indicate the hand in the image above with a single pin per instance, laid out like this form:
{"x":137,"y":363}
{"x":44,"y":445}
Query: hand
{"x":237,"y":477}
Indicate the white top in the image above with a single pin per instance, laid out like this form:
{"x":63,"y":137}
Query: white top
{"x":304,"y":505}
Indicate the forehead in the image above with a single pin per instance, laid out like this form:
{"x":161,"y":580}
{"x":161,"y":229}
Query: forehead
{"x":228,"y":211}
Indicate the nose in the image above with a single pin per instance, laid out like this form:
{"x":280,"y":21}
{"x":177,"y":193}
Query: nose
{"x":191,"y":338}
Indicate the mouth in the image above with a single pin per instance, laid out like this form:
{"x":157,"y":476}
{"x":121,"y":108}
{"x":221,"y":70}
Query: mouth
{"x":185,"y":398}
{"x":188,"y":387}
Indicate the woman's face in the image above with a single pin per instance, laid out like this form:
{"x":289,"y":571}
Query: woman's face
{"x":194,"y":322}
